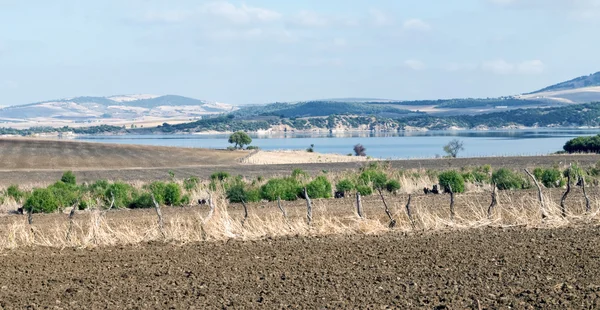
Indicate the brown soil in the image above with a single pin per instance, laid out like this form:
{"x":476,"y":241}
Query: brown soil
{"x":478,"y":269}
{"x":33,"y":161}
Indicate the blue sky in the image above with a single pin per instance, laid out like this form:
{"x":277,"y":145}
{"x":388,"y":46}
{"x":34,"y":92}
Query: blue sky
{"x":259,"y":51}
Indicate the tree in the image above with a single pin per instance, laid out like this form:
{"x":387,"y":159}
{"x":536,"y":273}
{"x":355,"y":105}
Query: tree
{"x":360,"y":150}
{"x":240,"y":139}
{"x":453,"y":147}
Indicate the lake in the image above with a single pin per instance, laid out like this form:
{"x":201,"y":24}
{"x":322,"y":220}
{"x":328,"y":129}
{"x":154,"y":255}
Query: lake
{"x":381,"y":145}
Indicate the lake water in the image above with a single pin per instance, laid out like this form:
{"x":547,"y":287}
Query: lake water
{"x":381,"y":145}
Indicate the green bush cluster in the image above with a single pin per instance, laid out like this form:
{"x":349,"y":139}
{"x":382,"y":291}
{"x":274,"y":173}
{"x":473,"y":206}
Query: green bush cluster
{"x":506,"y":179}
{"x":452,"y":179}
{"x":551,"y":178}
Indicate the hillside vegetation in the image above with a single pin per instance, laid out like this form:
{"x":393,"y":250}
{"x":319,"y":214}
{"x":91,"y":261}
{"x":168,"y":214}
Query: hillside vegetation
{"x":579,"y":82}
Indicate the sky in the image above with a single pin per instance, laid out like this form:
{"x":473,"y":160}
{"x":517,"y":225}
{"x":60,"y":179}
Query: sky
{"x":260,"y":51}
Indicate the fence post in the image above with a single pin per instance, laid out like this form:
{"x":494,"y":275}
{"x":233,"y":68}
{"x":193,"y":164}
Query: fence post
{"x":211,"y":206}
{"x":359,"y":205}
{"x":540,"y":196}
{"x":451,"y":202}
{"x":588,"y":209}
{"x":281,"y":207}
{"x":308,"y":207}
{"x":412,"y":222}
{"x":160,"y":217}
{"x":245,"y":212}
{"x":563,"y":208}
{"x":494,"y":201}
{"x":387,"y":210}
{"x":71,"y":216}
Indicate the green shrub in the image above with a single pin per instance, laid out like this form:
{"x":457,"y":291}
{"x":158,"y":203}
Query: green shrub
{"x":65,"y":193}
{"x":143,"y":201}
{"x":344,"y":185}
{"x":236,"y":192}
{"x":374,"y":178}
{"x":69,"y":178}
{"x":287,"y":188}
{"x":392,"y":186}
{"x":172,"y":194}
{"x":252,"y":147}
{"x":297,"y":173}
{"x":98,"y":189}
{"x":15,"y":193}
{"x":220,"y":176}
{"x":42,"y":200}
{"x":552,"y":178}
{"x":185,"y":200}
{"x":253,"y":195}
{"x":452,"y":179}
{"x":158,"y":189}
{"x":538,"y":173}
{"x":124,"y":194}
{"x":191,"y":183}
{"x":83,"y":205}
{"x":506,"y":179}
{"x":364,"y":190}
{"x":320,"y":187}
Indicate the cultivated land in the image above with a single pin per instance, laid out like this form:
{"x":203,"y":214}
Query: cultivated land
{"x":37,"y":162}
{"x":124,"y":259}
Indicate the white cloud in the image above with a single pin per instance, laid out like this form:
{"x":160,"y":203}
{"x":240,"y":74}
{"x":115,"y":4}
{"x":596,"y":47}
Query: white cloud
{"x":379,"y":18}
{"x":239,"y":14}
{"x":416,"y":24}
{"x":310,"y":19}
{"x":414,"y":64}
{"x":531,"y":67}
{"x":502,"y":67}
{"x":457,"y":66}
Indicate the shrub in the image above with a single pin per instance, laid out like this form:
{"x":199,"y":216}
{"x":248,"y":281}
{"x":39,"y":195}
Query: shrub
{"x":98,"y":189}
{"x":69,"y":178}
{"x":65,"y":194}
{"x":320,"y":187}
{"x":185,"y":200}
{"x":15,"y":193}
{"x":191,"y":183}
{"x":287,"y":188}
{"x":172,"y":194}
{"x":158,"y":189}
{"x":364,"y":190}
{"x":236,"y":192}
{"x":42,"y":200}
{"x":373,"y":177}
{"x":452,"y":179}
{"x":360,"y":150}
{"x":296,"y":173}
{"x":220,"y":176}
{"x":552,"y":178}
{"x":143,"y":201}
{"x":344,"y":185}
{"x":252,"y":147}
{"x":506,"y":179}
{"x":124,"y":194}
{"x":392,"y":186}
{"x":538,"y":173}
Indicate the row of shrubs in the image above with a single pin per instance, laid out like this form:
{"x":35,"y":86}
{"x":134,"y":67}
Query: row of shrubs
{"x":66,"y":193}
{"x":370,"y":179}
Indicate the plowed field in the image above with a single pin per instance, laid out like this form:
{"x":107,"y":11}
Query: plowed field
{"x":477,"y":269}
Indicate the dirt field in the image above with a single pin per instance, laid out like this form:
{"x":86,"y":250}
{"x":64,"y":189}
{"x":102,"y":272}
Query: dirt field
{"x":478,"y":269}
{"x":37,"y":162}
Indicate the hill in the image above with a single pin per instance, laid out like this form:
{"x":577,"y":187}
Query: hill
{"x":112,"y":109}
{"x":579,"y":82}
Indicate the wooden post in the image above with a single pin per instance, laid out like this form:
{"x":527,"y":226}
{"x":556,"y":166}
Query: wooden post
{"x":588,"y":209}
{"x":540,"y":196}
{"x":563,"y":208}
{"x":160,"y":217}
{"x":71,"y":216}
{"x":308,"y":207}
{"x":412,"y":222}
{"x":451,"y":202}
{"x":387,"y":210}
{"x":494,"y":201}
{"x":30,"y":216}
{"x":359,"y":205}
{"x":281,"y":207}
{"x":245,"y":212}
{"x":211,"y":206}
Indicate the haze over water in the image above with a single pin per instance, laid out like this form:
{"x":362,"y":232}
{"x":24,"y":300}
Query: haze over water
{"x":381,"y":145}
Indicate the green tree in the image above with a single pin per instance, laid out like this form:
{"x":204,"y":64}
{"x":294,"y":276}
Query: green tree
{"x":453,"y":147}
{"x":239,"y":139}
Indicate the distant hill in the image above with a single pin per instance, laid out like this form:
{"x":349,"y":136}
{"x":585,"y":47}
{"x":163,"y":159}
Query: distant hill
{"x":122,"y":107}
{"x":319,"y":109}
{"x":580,"y":82}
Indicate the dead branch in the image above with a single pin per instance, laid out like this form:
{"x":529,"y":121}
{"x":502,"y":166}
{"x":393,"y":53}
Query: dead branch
{"x":281,"y":207}
{"x":540,"y":196}
{"x":211,"y":205}
{"x":245,"y":212}
{"x":71,"y":219}
{"x":451,"y":202}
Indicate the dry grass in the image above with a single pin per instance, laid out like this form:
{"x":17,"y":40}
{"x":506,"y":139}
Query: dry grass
{"x":97,"y":228}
